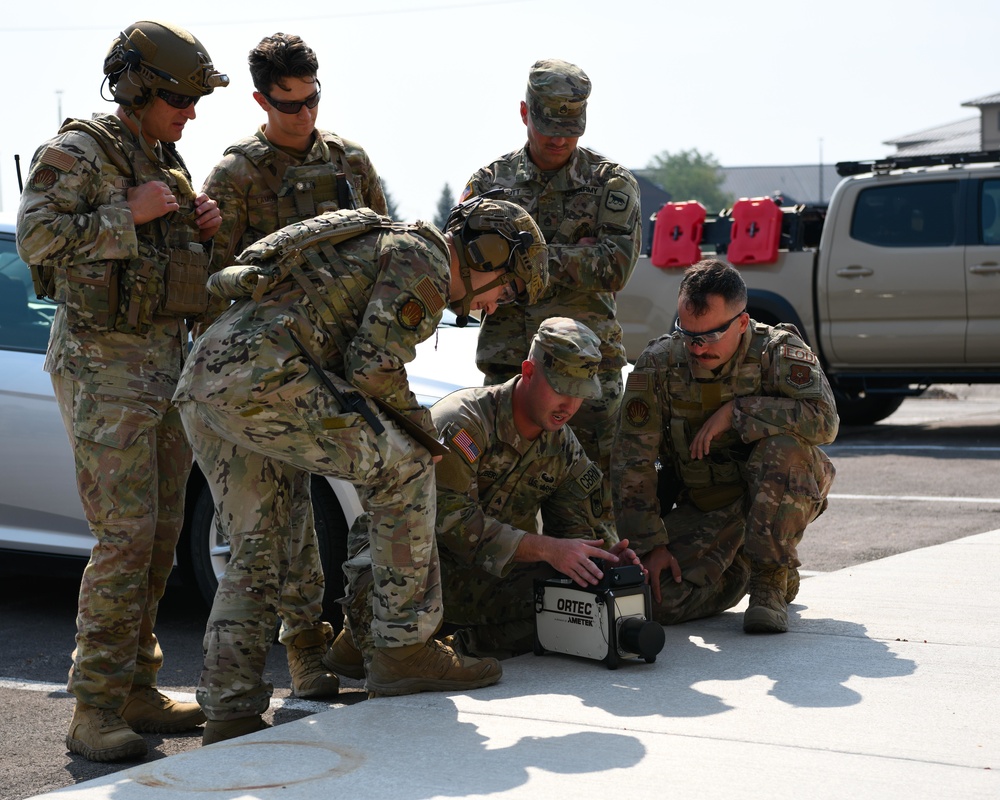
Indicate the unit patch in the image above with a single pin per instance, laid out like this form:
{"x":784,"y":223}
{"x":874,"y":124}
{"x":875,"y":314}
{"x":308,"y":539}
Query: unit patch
{"x":637,"y":412}
{"x":466,"y":445}
{"x":411,"y":314}
{"x":616,"y":201}
{"x":42,"y":179}
{"x":798,"y":353}
{"x":799,"y":375}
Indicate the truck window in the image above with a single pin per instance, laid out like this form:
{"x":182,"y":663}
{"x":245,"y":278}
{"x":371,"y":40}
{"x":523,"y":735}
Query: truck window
{"x":989,"y":213}
{"x":907,"y":215}
{"x":24,"y":320}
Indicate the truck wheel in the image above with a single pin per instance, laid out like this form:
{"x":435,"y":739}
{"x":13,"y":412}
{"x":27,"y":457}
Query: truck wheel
{"x":208,"y":551}
{"x":855,"y":409}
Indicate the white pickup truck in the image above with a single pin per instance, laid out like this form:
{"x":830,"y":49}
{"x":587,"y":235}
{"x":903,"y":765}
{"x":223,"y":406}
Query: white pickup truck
{"x":895,"y":285}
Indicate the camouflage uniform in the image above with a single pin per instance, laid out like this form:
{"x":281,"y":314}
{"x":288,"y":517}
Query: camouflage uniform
{"x":590,"y":196}
{"x":763,"y":482}
{"x":115,"y":358}
{"x":260,"y":188}
{"x":261,"y":418}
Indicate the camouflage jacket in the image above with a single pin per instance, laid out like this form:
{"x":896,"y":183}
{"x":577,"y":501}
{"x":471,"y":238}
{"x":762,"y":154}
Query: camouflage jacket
{"x":589,"y":197}
{"x":74,"y":216}
{"x":244,"y":187}
{"x":493,"y":483}
{"x":360,"y":307}
{"x":777,"y":386}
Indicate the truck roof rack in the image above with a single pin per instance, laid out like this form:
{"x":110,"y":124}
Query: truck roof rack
{"x":845,"y":168}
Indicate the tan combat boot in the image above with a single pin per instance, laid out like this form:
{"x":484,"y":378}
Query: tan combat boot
{"x":768,"y":611}
{"x":344,"y":658}
{"x":792,"y":587}
{"x":305,"y":663}
{"x":219,"y":730}
{"x":147,"y":710}
{"x":100,"y":734}
{"x":427,"y":667}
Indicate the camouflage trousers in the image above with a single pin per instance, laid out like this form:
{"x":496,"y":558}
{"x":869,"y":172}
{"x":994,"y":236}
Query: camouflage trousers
{"x":594,"y":425}
{"x":132,"y":465}
{"x":787,"y":483}
{"x":256,"y":461}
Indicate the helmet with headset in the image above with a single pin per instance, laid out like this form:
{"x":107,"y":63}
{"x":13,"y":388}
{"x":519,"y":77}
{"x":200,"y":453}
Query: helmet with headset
{"x":149,"y":56}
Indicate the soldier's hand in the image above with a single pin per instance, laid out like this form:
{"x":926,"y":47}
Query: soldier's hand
{"x":717,"y":424}
{"x":149,"y":201}
{"x":207,"y":215}
{"x":626,"y":555}
{"x":574,"y":557}
{"x":657,"y":560}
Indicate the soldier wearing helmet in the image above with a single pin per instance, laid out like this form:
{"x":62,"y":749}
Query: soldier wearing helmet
{"x":289,"y":170}
{"x":114,"y":232}
{"x":587,"y":207}
{"x":306,"y":373}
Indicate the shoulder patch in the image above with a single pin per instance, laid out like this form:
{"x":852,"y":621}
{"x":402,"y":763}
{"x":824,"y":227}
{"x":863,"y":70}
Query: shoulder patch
{"x":466,"y":445}
{"x":799,"y":375}
{"x":59,"y":159}
{"x":42,"y":179}
{"x":590,"y":479}
{"x":411,"y":314}
{"x":425,"y":291}
{"x":616,"y":201}
{"x":794,"y":353}
{"x":636,"y":412}
{"x":637,"y":382}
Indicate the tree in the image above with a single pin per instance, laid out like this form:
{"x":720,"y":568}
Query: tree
{"x":689,"y":175}
{"x":445,"y":205}
{"x":389,"y":202}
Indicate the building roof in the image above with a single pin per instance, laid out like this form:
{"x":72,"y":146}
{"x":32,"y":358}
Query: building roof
{"x":796,"y":183}
{"x":988,"y":100}
{"x":962,"y":136}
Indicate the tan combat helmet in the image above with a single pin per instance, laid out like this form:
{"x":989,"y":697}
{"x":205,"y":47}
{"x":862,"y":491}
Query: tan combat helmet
{"x":493,"y":234}
{"x":149,"y":56}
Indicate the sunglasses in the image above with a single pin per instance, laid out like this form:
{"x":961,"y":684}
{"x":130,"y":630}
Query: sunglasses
{"x":706,"y":337}
{"x":175,"y":100}
{"x":508,"y":294}
{"x":294,"y":106}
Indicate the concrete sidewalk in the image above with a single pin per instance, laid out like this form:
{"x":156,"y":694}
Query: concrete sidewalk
{"x":887,"y":685}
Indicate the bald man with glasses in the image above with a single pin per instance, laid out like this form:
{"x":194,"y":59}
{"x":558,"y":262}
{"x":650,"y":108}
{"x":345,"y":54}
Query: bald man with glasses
{"x":716,"y":467}
{"x":286,"y":172}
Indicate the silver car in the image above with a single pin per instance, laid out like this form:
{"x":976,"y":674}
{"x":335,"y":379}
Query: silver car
{"x":40,"y":510}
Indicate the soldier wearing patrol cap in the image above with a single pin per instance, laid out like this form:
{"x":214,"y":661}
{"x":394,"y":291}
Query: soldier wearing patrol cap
{"x":587,"y":206}
{"x":305,"y":373}
{"x":512,"y":456}
{"x":725,"y":418}
{"x":114,"y":232}
{"x":286,"y":171}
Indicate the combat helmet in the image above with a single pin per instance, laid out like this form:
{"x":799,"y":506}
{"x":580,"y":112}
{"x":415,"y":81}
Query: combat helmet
{"x":494,"y":234}
{"x":150,"y":55}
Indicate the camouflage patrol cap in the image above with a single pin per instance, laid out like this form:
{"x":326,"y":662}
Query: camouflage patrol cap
{"x":568,"y":353}
{"x":557,"y":98}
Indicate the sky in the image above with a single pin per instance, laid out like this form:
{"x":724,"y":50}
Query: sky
{"x":431,"y":88}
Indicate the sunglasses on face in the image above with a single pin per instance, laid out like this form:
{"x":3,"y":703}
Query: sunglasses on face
{"x":508,"y":294}
{"x":705,"y":337}
{"x":175,"y":100}
{"x":294,"y":106}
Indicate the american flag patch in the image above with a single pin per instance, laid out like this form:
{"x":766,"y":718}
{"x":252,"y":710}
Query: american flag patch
{"x":466,"y":445}
{"x":432,"y":297}
{"x":59,"y":159}
{"x":637,"y":382}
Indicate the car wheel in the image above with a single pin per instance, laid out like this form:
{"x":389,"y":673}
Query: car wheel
{"x":209,"y":551}
{"x":857,"y":409}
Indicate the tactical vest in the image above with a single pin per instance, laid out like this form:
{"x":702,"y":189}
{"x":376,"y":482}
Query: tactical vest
{"x":304,"y":190}
{"x":167,"y":278}
{"x":714,"y":481}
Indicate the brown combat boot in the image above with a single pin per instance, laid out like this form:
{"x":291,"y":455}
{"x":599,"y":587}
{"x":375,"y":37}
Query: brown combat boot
{"x":427,"y":667}
{"x":219,"y":730}
{"x":147,"y":710}
{"x":792,"y":587}
{"x":768,"y":611}
{"x":100,"y":734}
{"x":344,"y":657}
{"x":310,"y":678}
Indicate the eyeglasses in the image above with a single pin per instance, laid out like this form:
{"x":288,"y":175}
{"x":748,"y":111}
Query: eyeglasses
{"x":508,"y":294}
{"x":295,"y":106}
{"x":175,"y":100}
{"x":706,"y":337}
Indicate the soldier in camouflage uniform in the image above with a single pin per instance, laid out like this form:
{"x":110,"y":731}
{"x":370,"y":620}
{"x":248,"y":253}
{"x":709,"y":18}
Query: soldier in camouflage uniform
{"x":733,"y":413}
{"x":113,"y":232}
{"x":305,"y":372}
{"x":512,"y":455}
{"x":588,"y":208}
{"x":286,"y":172}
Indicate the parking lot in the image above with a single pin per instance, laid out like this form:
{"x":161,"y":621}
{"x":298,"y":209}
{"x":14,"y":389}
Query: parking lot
{"x":926,"y":475}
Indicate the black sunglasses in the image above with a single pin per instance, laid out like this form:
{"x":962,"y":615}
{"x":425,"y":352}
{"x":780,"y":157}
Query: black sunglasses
{"x":175,"y":100}
{"x":295,"y":106}
{"x":706,"y":337}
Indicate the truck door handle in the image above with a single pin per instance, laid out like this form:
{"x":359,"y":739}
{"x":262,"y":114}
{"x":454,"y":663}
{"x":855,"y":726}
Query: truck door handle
{"x":855,"y":271}
{"x":990,"y":268}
